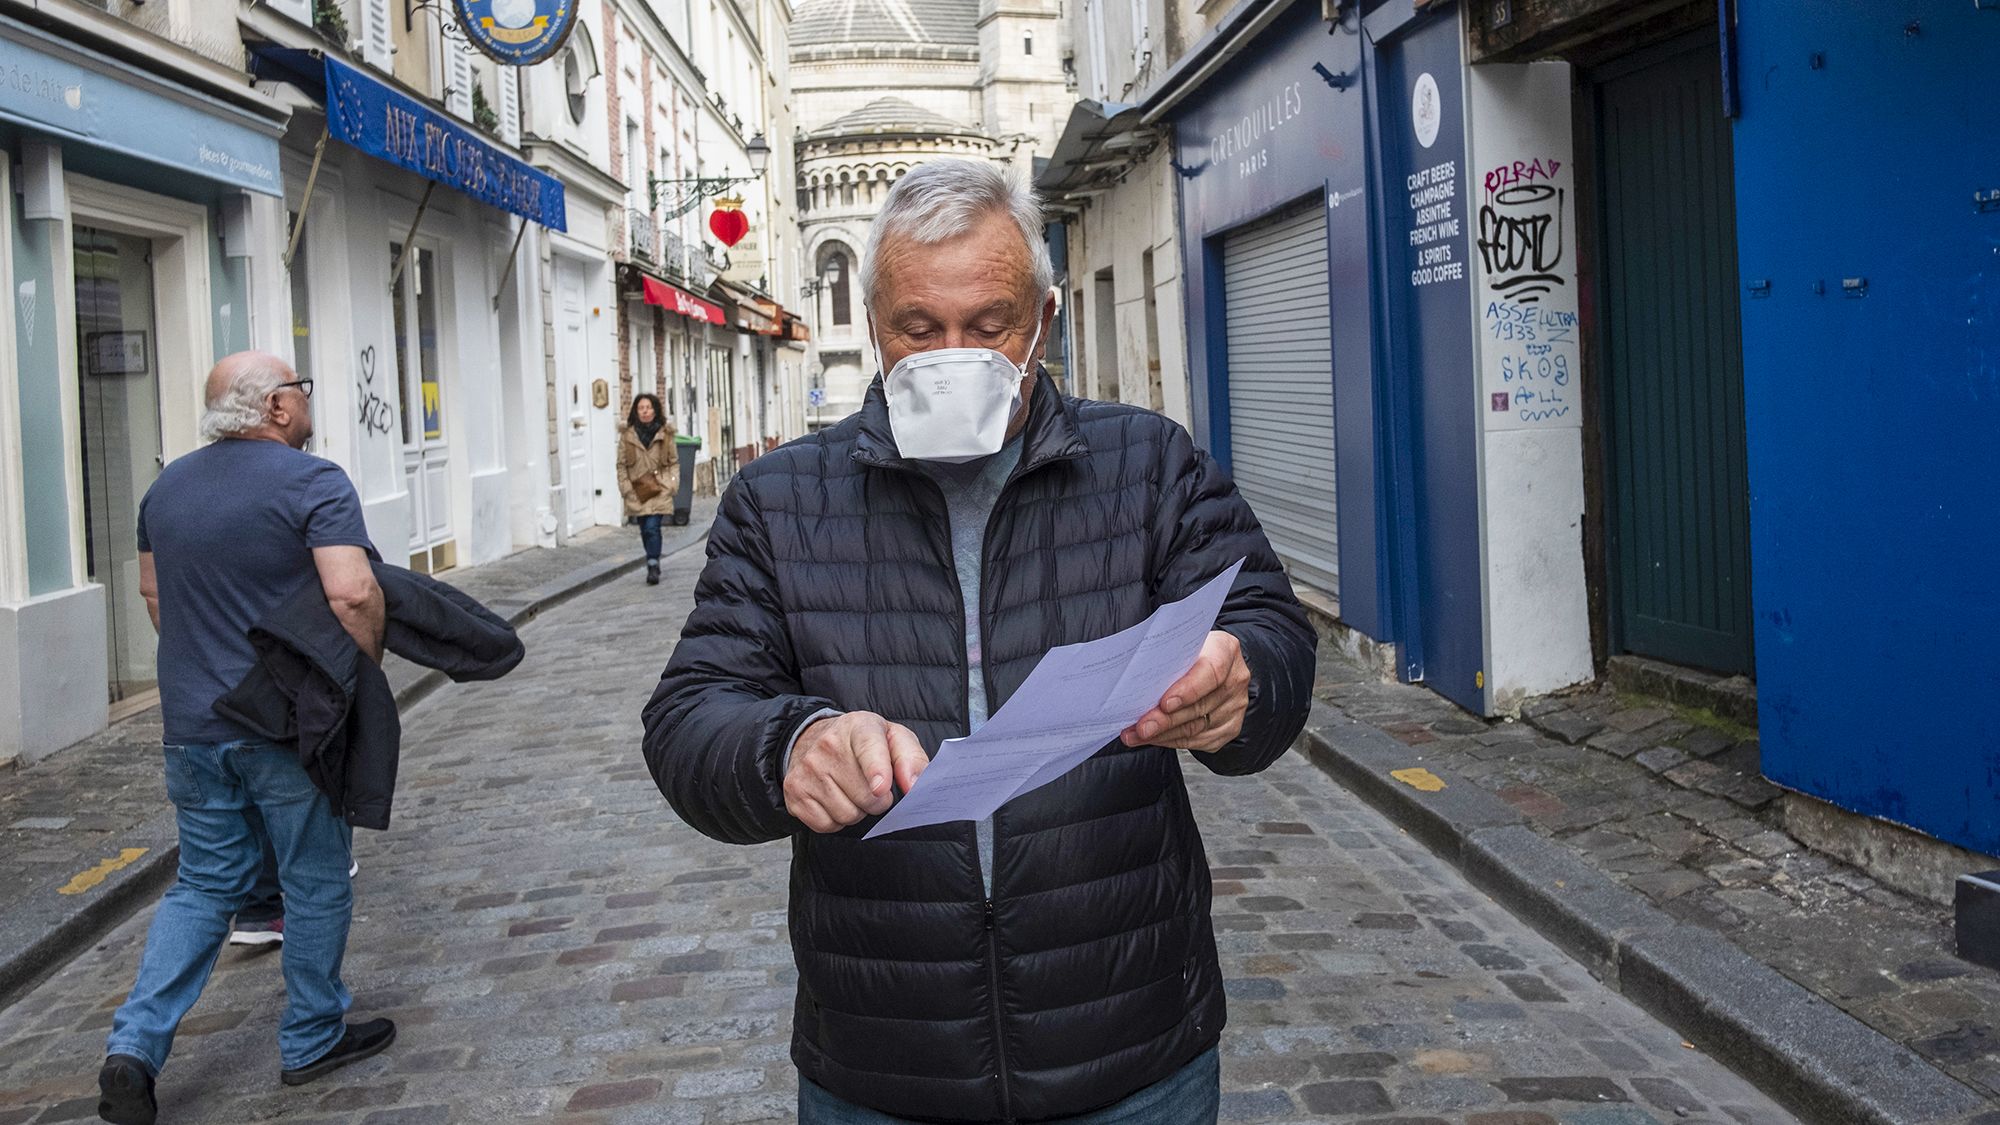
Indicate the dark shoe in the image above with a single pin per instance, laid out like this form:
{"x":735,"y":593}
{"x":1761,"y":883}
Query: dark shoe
{"x":125,"y":1092}
{"x":359,"y":1042}
{"x":258,"y":933}
{"x":652,"y":574}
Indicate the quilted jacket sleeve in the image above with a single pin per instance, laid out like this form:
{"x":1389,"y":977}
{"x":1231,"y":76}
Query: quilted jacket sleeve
{"x":728,"y":703}
{"x":1204,"y":525}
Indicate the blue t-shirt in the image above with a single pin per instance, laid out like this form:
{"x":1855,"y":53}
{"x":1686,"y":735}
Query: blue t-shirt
{"x":231,"y":528}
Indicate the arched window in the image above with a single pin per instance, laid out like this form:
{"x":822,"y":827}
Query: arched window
{"x":837,"y":280}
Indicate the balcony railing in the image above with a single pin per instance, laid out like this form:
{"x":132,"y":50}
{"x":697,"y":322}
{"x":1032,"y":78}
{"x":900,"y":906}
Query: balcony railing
{"x":639,"y":225}
{"x":673,"y":253}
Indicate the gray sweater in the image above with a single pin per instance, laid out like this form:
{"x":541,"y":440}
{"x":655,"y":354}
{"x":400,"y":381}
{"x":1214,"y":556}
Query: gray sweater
{"x":970,"y":491}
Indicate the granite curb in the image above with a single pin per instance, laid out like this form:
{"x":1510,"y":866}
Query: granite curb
{"x":1800,"y":1049}
{"x":42,"y":935}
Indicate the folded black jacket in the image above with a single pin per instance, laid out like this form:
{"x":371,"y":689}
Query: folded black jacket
{"x":313,"y":687}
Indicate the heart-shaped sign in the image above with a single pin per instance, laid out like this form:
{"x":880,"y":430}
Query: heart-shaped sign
{"x":729,"y":226}
{"x":368,"y":365}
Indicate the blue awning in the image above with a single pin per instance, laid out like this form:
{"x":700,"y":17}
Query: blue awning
{"x":388,"y":124}
{"x":68,"y":91}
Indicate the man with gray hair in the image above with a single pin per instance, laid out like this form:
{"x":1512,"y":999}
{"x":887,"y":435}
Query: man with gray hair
{"x":226,"y":534}
{"x":885,"y":584}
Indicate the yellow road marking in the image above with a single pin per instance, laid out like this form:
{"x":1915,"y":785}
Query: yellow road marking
{"x":1416,"y":777}
{"x":88,"y":879}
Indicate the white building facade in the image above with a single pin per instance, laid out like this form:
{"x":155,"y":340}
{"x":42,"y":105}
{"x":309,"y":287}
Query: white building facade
{"x":197,"y":190}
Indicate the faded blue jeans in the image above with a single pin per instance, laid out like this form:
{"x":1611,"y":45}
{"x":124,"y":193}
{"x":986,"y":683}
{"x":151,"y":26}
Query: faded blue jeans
{"x":1191,"y":1095}
{"x":215,"y":788}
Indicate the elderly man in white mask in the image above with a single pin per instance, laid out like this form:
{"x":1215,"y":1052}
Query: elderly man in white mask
{"x":887,"y":583}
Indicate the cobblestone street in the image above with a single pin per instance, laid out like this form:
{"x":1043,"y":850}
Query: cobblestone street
{"x":553,"y":943}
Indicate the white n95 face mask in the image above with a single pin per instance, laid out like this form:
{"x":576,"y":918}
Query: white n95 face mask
{"x":954,"y":404}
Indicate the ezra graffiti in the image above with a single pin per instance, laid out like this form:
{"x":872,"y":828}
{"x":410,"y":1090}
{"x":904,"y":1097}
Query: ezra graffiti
{"x":377,"y":417}
{"x":1521,"y":229}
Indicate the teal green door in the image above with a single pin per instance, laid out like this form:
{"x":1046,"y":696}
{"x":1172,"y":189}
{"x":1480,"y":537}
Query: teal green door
{"x":1677,"y":500}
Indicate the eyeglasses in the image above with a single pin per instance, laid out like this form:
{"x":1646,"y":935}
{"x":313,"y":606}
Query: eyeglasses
{"x":305,"y":387}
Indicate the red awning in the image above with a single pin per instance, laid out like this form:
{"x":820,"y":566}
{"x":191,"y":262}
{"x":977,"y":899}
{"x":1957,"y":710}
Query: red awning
{"x":677,"y":300}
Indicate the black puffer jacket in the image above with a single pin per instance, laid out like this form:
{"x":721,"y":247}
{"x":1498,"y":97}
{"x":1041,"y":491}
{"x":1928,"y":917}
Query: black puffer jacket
{"x":1092,"y":971}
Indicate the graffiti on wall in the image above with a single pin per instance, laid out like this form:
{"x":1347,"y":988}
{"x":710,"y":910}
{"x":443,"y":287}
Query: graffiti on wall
{"x":1521,"y":230}
{"x":1529,"y":313}
{"x":377,"y":417}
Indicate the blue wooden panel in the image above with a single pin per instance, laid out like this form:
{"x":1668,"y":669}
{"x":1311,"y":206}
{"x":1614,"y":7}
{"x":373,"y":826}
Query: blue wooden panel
{"x":1868,"y":134}
{"x":1426,"y":276}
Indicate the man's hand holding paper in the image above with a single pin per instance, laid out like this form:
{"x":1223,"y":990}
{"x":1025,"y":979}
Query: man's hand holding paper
{"x":1203,"y":710}
{"x":1169,"y":673}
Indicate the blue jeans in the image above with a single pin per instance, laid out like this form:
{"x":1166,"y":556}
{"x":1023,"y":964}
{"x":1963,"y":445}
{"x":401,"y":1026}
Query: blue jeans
{"x":649,"y":535}
{"x":215,"y":787}
{"x":1191,"y":1095}
{"x":266,"y":900}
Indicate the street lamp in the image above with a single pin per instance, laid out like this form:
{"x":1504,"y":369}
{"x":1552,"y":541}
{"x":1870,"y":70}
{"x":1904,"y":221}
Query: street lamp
{"x":829,"y":274}
{"x":689,"y":191}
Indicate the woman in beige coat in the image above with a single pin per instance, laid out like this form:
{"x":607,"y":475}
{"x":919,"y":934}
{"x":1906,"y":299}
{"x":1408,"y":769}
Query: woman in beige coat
{"x":648,"y":474}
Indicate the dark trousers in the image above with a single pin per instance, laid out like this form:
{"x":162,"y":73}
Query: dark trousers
{"x":649,"y":534}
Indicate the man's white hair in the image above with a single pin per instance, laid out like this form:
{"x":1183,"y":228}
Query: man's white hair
{"x":943,"y":199}
{"x":242,"y":405}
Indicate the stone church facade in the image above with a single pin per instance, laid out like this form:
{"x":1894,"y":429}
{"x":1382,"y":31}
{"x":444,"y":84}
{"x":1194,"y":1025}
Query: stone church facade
{"x":881,"y":86}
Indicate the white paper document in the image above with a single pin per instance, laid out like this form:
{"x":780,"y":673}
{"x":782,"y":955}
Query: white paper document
{"x":1075,"y":701}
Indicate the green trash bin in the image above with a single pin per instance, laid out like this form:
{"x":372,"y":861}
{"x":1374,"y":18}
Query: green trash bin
{"x":684,"y":449}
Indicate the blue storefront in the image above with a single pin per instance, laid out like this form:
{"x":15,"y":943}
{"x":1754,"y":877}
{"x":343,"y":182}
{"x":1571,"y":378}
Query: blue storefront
{"x":138,"y":237}
{"x":1324,"y":218}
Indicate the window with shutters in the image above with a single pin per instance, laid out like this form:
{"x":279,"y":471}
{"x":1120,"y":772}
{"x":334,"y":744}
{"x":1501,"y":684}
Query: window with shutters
{"x":300,"y":11}
{"x":377,"y":42}
{"x":458,"y":77}
{"x":507,"y":81}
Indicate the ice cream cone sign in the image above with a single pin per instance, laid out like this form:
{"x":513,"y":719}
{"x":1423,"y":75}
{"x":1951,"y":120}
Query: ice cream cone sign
{"x":727,"y":222}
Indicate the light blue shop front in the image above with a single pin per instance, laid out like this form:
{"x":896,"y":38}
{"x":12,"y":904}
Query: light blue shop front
{"x":138,"y":221}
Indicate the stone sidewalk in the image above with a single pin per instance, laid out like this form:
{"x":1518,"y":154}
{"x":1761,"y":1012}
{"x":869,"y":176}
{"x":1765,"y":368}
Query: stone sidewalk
{"x":555,"y":945}
{"x":86,"y":835}
{"x":1666,"y":802}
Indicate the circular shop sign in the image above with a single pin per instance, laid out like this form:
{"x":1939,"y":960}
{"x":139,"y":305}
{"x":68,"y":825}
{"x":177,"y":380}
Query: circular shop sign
{"x":517,"y":32}
{"x":1426,"y":110}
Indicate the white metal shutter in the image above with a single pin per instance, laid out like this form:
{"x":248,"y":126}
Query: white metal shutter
{"x":300,"y":10}
{"x":377,"y":49}
{"x":1281,"y":388}
{"x":458,"y":76}
{"x":508,"y":102}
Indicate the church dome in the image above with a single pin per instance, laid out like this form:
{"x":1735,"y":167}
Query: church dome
{"x":899,"y":27}
{"x":892,"y":116}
